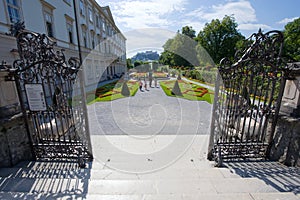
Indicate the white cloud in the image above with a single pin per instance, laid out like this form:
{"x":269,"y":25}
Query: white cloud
{"x":287,"y":20}
{"x":242,"y":11}
{"x":196,"y":24}
{"x":255,"y":27}
{"x":144,"y":14}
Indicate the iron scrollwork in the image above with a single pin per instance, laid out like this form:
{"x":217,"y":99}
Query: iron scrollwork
{"x":37,"y":56}
{"x":58,"y":130}
{"x":248,"y":98}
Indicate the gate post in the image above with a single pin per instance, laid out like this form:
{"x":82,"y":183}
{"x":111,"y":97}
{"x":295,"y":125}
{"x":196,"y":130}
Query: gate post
{"x":15,"y":141}
{"x":275,"y":119}
{"x":213,"y":127}
{"x":85,"y":113}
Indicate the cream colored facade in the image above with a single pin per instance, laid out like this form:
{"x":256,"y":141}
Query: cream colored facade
{"x":103,"y":46}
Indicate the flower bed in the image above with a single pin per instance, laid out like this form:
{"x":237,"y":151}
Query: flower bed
{"x":189,"y":90}
{"x":112,"y":91}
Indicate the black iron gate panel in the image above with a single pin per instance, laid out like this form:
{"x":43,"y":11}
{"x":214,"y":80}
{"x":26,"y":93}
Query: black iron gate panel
{"x":247,"y":99}
{"x":50,"y":98}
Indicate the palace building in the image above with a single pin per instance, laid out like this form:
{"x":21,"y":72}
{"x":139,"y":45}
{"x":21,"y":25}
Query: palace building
{"x":102,"y":45}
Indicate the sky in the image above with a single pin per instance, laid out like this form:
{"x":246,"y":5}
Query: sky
{"x":147,"y":24}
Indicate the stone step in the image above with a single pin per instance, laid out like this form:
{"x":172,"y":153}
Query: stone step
{"x":109,"y":174}
{"x":249,"y":196}
{"x":130,"y":187}
{"x":120,"y":164}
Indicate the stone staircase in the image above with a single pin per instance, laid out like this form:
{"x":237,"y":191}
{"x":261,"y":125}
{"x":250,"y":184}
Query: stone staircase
{"x":190,"y":177}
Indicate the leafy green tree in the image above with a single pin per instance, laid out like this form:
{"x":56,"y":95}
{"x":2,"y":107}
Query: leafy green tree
{"x":165,"y":58}
{"x":292,"y":40}
{"x":188,"y":31}
{"x":179,"y":51}
{"x":137,"y":63}
{"x":129,"y":63}
{"x":219,"y":38}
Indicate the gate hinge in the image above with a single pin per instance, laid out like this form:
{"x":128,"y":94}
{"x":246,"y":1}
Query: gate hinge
{"x":7,"y":70}
{"x":9,"y":77}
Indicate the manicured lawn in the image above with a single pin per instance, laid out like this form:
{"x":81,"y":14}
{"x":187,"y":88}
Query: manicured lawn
{"x":189,"y":91}
{"x":111,"y":91}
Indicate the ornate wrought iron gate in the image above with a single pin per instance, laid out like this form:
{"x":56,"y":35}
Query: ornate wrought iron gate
{"x":50,"y":99}
{"x":247,"y":99}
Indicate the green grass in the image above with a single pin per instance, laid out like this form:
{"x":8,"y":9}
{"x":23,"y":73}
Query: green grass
{"x":111,"y":91}
{"x":189,"y":91}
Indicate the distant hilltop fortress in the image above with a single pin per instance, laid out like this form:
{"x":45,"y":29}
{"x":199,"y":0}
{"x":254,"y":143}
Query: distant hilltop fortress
{"x":146,"y":56}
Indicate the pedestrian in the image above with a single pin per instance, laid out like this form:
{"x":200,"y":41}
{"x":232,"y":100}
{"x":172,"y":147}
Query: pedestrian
{"x":141,"y":84}
{"x":150,"y":82}
{"x":145,"y":85}
{"x":155,"y":82}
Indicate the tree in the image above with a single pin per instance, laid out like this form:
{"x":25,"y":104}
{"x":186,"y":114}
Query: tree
{"x":179,"y":51}
{"x":166,"y":57}
{"x":129,"y":63}
{"x":137,"y":63}
{"x":188,"y":31}
{"x":219,"y":38}
{"x":292,"y":40}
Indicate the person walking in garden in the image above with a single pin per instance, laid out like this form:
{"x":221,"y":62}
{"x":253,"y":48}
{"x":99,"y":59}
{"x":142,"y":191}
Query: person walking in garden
{"x":140,"y":84}
{"x":145,"y":86}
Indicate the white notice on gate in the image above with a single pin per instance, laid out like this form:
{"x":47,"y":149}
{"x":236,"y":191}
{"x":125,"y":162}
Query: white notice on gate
{"x":35,"y":96}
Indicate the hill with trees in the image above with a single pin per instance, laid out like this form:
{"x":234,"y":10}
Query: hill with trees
{"x":145,"y":56}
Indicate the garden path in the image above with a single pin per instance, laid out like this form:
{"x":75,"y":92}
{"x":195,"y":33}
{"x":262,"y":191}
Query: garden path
{"x":150,"y":113}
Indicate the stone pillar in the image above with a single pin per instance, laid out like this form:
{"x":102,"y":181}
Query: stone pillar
{"x":286,"y":141}
{"x":285,"y":148}
{"x":14,"y":141}
{"x":291,"y":98}
{"x":9,"y":102}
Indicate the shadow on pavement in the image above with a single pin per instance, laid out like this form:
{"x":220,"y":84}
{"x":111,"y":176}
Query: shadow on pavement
{"x":280,"y":177}
{"x":45,"y":180}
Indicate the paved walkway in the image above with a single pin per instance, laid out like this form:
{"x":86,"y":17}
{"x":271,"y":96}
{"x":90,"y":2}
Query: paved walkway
{"x":146,"y":126}
{"x":150,"y":113}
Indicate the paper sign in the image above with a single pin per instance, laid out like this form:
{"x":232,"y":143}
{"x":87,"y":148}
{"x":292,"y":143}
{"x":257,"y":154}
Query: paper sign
{"x":35,"y":96}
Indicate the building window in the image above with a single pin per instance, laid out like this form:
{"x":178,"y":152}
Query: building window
{"x":82,"y":8}
{"x":70,"y":31}
{"x":49,"y":24}
{"x":93,"y":40}
{"x":97,"y":21}
{"x":109,"y":31}
{"x":90,"y":14}
{"x":103,"y":26}
{"x":99,"y":42}
{"x":13,"y":10}
{"x":100,"y":22}
{"x":84,"y":35}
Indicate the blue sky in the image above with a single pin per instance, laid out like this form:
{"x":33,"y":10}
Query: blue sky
{"x":144,"y":16}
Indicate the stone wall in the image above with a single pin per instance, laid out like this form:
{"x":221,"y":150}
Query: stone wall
{"x":286,"y":145}
{"x":14,"y":142}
